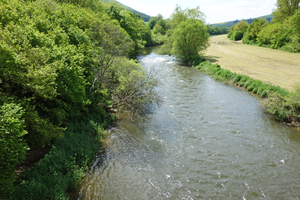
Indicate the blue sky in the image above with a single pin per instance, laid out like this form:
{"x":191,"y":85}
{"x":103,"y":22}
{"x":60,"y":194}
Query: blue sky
{"x":215,"y":10}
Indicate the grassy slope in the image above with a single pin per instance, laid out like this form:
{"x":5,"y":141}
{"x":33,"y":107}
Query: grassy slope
{"x":271,"y":66}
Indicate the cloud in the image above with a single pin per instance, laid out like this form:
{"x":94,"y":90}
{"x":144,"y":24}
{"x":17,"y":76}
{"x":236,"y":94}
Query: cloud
{"x":244,"y":9}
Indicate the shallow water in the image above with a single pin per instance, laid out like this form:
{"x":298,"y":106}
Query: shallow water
{"x":208,"y":140}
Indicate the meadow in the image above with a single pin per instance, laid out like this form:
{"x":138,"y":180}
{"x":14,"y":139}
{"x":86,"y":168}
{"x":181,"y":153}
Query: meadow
{"x":275,"y":67}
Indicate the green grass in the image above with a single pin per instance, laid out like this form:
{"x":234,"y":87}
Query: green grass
{"x":256,"y":86}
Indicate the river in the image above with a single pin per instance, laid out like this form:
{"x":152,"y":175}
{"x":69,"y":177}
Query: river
{"x":208,"y":140}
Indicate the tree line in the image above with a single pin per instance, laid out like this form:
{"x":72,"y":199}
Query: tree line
{"x":63,"y":59}
{"x":60,"y":59}
{"x":282,"y":33}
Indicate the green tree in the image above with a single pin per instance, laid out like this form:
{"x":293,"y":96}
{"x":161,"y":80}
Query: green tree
{"x":12,"y":145}
{"x":158,"y":29}
{"x":253,"y":30}
{"x":190,"y":38}
{"x":241,"y":26}
{"x":152,"y":22}
{"x":285,"y":9}
{"x":180,"y":15}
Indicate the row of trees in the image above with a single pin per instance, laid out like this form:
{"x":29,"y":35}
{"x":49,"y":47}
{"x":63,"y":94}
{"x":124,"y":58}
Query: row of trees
{"x":161,"y":28}
{"x":59,"y":59}
{"x":216,"y":30}
{"x":282,"y":33}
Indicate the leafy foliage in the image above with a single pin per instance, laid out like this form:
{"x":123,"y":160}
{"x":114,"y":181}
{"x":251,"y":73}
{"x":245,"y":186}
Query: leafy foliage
{"x":187,"y":36}
{"x":236,"y":35}
{"x":285,"y":9}
{"x":190,"y":37}
{"x":285,"y":108}
{"x":66,"y":163}
{"x":57,"y":62}
{"x":216,"y":30}
{"x":145,"y":17}
{"x":253,"y":30}
{"x":132,"y":24}
{"x":12,"y":145}
{"x":283,"y":33}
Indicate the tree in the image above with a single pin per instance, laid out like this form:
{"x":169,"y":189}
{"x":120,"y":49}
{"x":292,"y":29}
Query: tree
{"x":253,"y":30}
{"x":152,"y":22}
{"x":158,"y":29}
{"x":180,"y":15}
{"x":285,"y":9}
{"x":136,"y":86}
{"x":190,"y":38}
{"x":12,"y":145}
{"x":241,"y":26}
{"x":295,"y":21}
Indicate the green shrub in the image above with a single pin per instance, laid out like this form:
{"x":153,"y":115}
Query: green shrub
{"x":253,"y":30}
{"x":230,"y":34}
{"x":12,"y":146}
{"x":195,"y":60}
{"x":285,"y":108}
{"x":66,"y":163}
{"x":237,"y":35}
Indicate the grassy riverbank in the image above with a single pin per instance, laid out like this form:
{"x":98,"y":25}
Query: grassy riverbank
{"x":283,"y":104}
{"x":271,"y":66}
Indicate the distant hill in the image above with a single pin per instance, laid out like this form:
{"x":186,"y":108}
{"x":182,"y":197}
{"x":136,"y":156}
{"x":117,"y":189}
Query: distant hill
{"x":231,"y":23}
{"x":145,"y":17}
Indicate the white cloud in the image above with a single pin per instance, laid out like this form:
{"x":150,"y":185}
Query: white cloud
{"x":238,"y":10}
{"x":215,"y":10}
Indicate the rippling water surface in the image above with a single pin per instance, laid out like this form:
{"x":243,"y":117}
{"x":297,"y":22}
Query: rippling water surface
{"x":208,"y":140}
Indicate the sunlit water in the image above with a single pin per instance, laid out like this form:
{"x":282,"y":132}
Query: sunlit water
{"x":208,"y":140}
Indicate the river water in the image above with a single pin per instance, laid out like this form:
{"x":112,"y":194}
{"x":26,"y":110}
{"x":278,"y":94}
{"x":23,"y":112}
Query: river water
{"x":207,"y":140}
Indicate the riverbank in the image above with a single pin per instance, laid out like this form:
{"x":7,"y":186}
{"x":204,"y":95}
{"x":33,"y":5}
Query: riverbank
{"x":284,"y":105}
{"x":271,"y":66}
{"x":65,"y":165}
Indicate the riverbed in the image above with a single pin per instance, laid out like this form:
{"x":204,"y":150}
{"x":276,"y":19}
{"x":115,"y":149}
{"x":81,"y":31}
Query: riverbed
{"x":207,"y":140}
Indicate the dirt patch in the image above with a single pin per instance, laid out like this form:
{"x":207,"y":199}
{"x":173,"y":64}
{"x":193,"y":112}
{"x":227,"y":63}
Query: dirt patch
{"x":33,"y":156}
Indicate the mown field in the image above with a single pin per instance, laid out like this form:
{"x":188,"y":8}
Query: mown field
{"x":271,"y":66}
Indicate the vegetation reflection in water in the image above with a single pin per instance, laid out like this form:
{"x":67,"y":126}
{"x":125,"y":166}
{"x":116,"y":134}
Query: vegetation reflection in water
{"x":207,"y":141}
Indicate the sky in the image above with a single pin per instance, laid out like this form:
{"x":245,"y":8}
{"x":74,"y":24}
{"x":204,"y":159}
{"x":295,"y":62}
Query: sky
{"x":216,"y":11}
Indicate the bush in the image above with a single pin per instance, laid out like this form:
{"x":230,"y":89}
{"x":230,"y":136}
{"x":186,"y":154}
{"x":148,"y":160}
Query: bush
{"x":237,"y":35}
{"x":230,"y":34}
{"x":253,"y":30}
{"x":195,"y":60}
{"x":12,"y":146}
{"x":66,"y":163}
{"x":285,"y":108}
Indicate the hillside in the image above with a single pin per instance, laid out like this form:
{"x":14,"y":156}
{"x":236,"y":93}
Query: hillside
{"x":232,"y":23}
{"x":145,"y":17}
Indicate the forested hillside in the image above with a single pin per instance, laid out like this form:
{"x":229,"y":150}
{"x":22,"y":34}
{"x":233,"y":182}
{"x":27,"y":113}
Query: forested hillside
{"x":59,"y":61}
{"x":144,"y":16}
{"x":250,"y":20}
